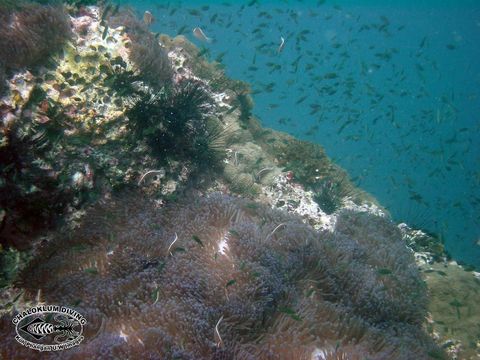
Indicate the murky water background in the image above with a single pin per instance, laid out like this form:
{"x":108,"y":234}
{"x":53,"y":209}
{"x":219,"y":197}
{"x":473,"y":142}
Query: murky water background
{"x":390,"y":89}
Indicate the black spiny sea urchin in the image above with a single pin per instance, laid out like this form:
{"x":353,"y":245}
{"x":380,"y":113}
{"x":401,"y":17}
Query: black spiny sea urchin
{"x":175,"y":123}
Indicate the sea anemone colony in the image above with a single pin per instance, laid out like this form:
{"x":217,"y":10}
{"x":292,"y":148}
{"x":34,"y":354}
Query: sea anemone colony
{"x":220,"y":278}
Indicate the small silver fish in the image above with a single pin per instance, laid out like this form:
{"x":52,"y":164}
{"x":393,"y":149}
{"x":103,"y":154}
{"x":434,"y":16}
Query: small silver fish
{"x":148,"y":18}
{"x":200,"y":35}
{"x":281,"y":46}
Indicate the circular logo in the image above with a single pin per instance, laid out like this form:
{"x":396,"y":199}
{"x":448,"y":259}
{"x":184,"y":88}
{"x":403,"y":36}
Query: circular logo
{"x":49,"y":328}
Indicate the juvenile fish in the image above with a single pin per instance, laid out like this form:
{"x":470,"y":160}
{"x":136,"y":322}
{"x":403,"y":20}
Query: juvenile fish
{"x":200,"y":35}
{"x":105,"y":11}
{"x":105,"y":32}
{"x":281,"y":46}
{"x":148,"y":18}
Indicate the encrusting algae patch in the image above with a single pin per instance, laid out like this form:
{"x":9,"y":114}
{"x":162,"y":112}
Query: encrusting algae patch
{"x":454,"y":307}
{"x":193,"y":232}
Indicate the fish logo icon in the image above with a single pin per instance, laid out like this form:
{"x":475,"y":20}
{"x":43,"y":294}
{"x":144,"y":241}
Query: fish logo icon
{"x":49,"y":328}
{"x":39,"y":328}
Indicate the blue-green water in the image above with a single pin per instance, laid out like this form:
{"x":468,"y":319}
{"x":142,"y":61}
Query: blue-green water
{"x":390,"y":89}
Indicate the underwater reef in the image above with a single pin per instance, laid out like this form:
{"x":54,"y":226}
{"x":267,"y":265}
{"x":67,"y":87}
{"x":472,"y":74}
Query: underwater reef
{"x":30,"y":33}
{"x":137,"y":188}
{"x":220,"y":278}
{"x":148,"y":57}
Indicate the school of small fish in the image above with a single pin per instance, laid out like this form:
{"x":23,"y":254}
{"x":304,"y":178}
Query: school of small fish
{"x":384,"y":110}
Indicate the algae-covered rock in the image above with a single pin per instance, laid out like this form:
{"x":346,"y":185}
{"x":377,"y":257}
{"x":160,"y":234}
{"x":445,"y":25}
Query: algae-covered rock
{"x":148,"y":57}
{"x":64,"y":137}
{"x":454,"y":308}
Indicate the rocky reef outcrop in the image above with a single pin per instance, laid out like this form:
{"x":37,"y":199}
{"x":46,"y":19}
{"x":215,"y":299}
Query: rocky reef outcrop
{"x":192,"y":231}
